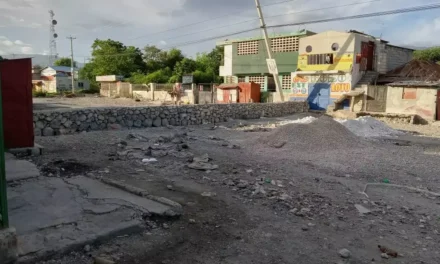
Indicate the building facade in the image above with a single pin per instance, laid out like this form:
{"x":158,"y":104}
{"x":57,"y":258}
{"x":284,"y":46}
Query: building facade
{"x":245,"y":60}
{"x":333,"y":63}
{"x":55,"y":79}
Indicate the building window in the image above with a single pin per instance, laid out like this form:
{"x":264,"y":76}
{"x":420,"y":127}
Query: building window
{"x":286,"y":82}
{"x":285,"y":44}
{"x":309,"y":49}
{"x":409,"y":93}
{"x":318,"y":59}
{"x":80,"y":85}
{"x":230,"y":79}
{"x":247,"y":47}
{"x":241,"y":79}
{"x":257,"y":79}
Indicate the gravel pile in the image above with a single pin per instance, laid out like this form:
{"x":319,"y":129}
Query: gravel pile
{"x":369,"y":127}
{"x":321,"y":134}
{"x":305,"y":120}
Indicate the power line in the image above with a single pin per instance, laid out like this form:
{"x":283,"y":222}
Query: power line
{"x":207,"y":20}
{"x":375,"y":14}
{"x":390,"y":12}
{"x":279,"y":15}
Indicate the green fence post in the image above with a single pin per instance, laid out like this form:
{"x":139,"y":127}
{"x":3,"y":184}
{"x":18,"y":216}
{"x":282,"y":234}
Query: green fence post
{"x":4,"y":221}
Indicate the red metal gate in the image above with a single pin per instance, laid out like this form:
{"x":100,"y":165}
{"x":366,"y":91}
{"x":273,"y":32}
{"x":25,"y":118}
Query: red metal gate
{"x":438,"y":105}
{"x":16,"y":85}
{"x":367,"y":50}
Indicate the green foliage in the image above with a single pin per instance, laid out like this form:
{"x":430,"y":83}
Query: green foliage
{"x":64,"y":62}
{"x":39,"y":94}
{"x":159,"y":76}
{"x":430,"y":54}
{"x":111,"y":57}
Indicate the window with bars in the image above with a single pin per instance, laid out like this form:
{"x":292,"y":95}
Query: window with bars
{"x":286,"y":82}
{"x":230,"y":79}
{"x":317,"y":59}
{"x":285,"y":44}
{"x":247,"y":47}
{"x":257,"y":79}
{"x":241,"y":79}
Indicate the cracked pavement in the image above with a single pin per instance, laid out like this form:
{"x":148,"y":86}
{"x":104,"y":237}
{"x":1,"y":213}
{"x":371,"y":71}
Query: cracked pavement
{"x":55,"y":215}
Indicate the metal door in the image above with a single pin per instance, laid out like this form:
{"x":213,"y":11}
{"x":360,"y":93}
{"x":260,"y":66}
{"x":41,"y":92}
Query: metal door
{"x":376,"y":98}
{"x":319,"y":96}
{"x":438,"y":105}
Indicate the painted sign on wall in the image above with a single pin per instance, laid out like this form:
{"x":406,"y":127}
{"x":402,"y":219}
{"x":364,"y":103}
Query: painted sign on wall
{"x":339,"y":83}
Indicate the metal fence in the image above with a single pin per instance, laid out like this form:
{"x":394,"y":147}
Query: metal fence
{"x":164,"y":87}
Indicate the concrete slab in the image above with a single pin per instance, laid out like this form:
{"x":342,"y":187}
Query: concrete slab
{"x":55,"y":215}
{"x":19,"y":169}
{"x":36,"y":150}
{"x":8,"y":246}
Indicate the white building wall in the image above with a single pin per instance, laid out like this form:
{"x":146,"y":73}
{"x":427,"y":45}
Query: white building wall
{"x":226,"y":69}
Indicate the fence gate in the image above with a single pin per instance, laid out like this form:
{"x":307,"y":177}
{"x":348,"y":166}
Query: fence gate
{"x":376,"y":98}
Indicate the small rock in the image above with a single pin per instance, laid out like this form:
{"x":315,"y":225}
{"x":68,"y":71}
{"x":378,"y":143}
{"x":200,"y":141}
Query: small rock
{"x":230,"y":183}
{"x":243,"y":184}
{"x":305,"y":228}
{"x":192,"y":221}
{"x":344,"y":253}
{"x":101,"y":260}
{"x":208,"y":194}
{"x":166,"y":226}
{"x":170,"y":187}
{"x":362,"y":210}
{"x":87,"y":248}
{"x":249,"y":171}
{"x":385,"y":256}
{"x":294,"y":210}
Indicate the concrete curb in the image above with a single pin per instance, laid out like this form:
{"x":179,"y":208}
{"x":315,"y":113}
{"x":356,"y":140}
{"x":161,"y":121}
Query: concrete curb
{"x":177,"y":208}
{"x":95,"y":240}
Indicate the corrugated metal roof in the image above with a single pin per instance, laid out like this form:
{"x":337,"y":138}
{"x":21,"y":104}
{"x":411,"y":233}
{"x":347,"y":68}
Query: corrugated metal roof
{"x":61,"y":68}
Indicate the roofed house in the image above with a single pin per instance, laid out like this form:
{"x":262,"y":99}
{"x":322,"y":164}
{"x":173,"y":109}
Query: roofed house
{"x":55,"y":79}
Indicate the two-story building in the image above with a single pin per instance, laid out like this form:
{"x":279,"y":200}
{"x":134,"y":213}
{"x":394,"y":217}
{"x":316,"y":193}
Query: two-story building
{"x":245,"y":60}
{"x":333,"y":63}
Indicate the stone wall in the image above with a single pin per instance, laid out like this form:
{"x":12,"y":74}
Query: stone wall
{"x":49,"y":123}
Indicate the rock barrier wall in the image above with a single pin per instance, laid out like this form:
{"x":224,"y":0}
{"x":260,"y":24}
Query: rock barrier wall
{"x":62,"y":122}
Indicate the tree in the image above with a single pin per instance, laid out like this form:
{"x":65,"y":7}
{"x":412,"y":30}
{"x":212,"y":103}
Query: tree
{"x":185,"y":66}
{"x":154,"y":58}
{"x":430,"y":54}
{"x":64,"y":62}
{"x":111,"y":57}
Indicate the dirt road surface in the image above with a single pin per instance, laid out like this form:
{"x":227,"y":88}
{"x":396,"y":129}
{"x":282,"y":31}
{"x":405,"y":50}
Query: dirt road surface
{"x":292,"y":194}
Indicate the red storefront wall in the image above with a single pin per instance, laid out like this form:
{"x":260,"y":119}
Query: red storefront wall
{"x":16,"y":88}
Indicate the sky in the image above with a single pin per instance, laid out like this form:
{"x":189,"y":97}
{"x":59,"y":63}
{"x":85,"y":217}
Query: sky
{"x":24,"y":24}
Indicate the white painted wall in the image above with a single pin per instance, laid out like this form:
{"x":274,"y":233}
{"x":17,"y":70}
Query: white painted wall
{"x":322,"y":43}
{"x":226,"y":69}
{"x":48,"y":72}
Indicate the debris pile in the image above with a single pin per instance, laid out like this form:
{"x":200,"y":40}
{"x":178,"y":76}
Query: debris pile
{"x":140,"y":148}
{"x":369,"y":127}
{"x":323,"y":133}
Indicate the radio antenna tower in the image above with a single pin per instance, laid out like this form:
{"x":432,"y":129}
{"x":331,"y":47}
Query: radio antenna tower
{"x":53,"y":55}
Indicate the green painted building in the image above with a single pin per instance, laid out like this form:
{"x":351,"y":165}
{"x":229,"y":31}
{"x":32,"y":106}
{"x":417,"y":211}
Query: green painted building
{"x":245,"y":59}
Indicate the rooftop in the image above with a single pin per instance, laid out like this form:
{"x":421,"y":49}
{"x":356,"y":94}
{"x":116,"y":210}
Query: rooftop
{"x":413,"y":71}
{"x":61,"y":68}
{"x":292,"y":34}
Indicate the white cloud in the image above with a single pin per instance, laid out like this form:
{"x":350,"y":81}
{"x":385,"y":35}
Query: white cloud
{"x":26,"y":50}
{"x":7,"y":43}
{"x":14,"y":47}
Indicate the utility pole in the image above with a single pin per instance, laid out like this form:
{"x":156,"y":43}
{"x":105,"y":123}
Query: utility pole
{"x":72,"y":63}
{"x":269,"y":49}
